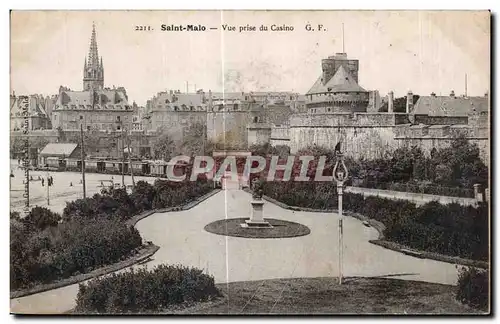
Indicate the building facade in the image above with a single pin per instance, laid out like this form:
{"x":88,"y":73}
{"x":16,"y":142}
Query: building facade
{"x":38,"y":118}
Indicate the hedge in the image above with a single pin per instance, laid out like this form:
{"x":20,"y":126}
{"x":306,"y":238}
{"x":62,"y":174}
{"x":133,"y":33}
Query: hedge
{"x":452,"y":229}
{"x":69,"y":249}
{"x":117,"y":204}
{"x":473,"y":288}
{"x":140,"y":290}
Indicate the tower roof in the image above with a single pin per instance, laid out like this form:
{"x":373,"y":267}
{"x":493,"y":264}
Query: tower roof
{"x":341,"y":81}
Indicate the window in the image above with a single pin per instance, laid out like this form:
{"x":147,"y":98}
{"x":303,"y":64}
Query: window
{"x":191,"y":108}
{"x":117,"y":118}
{"x":118,"y":127}
{"x":55,"y":117}
{"x":176,"y":108}
{"x":235,"y":106}
{"x":256,"y":119}
{"x":81,"y":117}
{"x":88,"y":128}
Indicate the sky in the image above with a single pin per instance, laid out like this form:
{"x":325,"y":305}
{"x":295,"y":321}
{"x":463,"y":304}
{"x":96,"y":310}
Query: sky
{"x":422,"y":51}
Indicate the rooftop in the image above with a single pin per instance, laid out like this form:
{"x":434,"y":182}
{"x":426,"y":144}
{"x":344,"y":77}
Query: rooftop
{"x":342,"y":81}
{"x":59,"y":149}
{"x":450,"y":105}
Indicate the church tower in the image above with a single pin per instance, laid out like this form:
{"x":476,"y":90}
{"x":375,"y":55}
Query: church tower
{"x":93,"y":70}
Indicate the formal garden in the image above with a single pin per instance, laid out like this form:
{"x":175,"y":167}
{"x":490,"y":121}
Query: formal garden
{"x":95,"y":232}
{"x":91,"y":233}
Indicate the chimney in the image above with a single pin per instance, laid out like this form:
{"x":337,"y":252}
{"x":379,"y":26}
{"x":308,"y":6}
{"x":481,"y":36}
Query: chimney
{"x":409,"y":102}
{"x":433,"y":94}
{"x":452,"y":93}
{"x":390,"y":104}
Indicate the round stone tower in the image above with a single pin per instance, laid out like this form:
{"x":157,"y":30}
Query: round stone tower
{"x":337,"y":89}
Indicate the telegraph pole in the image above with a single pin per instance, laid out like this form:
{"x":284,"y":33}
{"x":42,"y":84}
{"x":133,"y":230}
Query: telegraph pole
{"x":82,"y":151}
{"x":48,"y":185}
{"x":130,"y":162}
{"x":123,"y":157}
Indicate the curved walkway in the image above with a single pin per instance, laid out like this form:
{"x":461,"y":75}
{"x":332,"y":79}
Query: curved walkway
{"x":182,"y":240}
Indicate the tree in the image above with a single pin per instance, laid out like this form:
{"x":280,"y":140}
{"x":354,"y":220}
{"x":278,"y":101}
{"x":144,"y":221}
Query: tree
{"x":230,"y":140}
{"x":163,"y":148}
{"x":462,"y":164}
{"x":194,"y":140}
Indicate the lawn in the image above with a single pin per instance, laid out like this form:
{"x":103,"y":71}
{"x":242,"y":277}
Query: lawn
{"x":326,"y":296}
{"x":279,"y":229}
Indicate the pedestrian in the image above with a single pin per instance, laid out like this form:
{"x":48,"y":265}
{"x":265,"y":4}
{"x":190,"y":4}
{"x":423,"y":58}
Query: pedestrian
{"x":19,"y":161}
{"x":102,"y":184}
{"x":43,"y":181}
{"x":39,"y":178}
{"x":71,"y":184}
{"x":31,"y":178}
{"x":51,"y":181}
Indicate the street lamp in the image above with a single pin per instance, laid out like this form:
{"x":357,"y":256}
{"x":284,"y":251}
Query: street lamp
{"x":340,"y":174}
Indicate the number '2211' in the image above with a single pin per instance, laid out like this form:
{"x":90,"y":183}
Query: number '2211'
{"x":143,"y":28}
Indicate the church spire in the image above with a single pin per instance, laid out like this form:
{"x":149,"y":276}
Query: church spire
{"x":93,"y":51}
{"x":93,"y":72}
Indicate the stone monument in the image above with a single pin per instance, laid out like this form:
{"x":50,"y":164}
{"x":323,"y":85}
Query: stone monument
{"x":257,"y":215}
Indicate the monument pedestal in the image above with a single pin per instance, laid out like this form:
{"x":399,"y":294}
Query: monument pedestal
{"x":257,"y":216}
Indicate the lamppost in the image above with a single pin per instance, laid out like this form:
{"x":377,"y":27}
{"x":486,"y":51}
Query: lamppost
{"x":340,"y":174}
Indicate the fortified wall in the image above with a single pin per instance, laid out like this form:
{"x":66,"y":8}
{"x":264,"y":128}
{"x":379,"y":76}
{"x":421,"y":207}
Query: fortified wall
{"x":373,"y":135}
{"x":368,"y":135}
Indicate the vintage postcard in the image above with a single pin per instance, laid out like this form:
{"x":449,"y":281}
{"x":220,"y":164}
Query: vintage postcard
{"x":250,"y":162}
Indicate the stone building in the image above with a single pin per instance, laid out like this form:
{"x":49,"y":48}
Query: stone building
{"x":38,"y":118}
{"x":225,"y":114}
{"x":95,"y":107}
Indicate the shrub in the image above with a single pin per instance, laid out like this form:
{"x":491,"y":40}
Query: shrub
{"x":451,"y":229}
{"x":141,"y":290}
{"x":40,"y":218}
{"x":473,"y":288}
{"x":171,"y":193}
{"x":15,"y":215}
{"x":112,"y":204}
{"x":70,"y":248}
{"x":143,"y":195}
